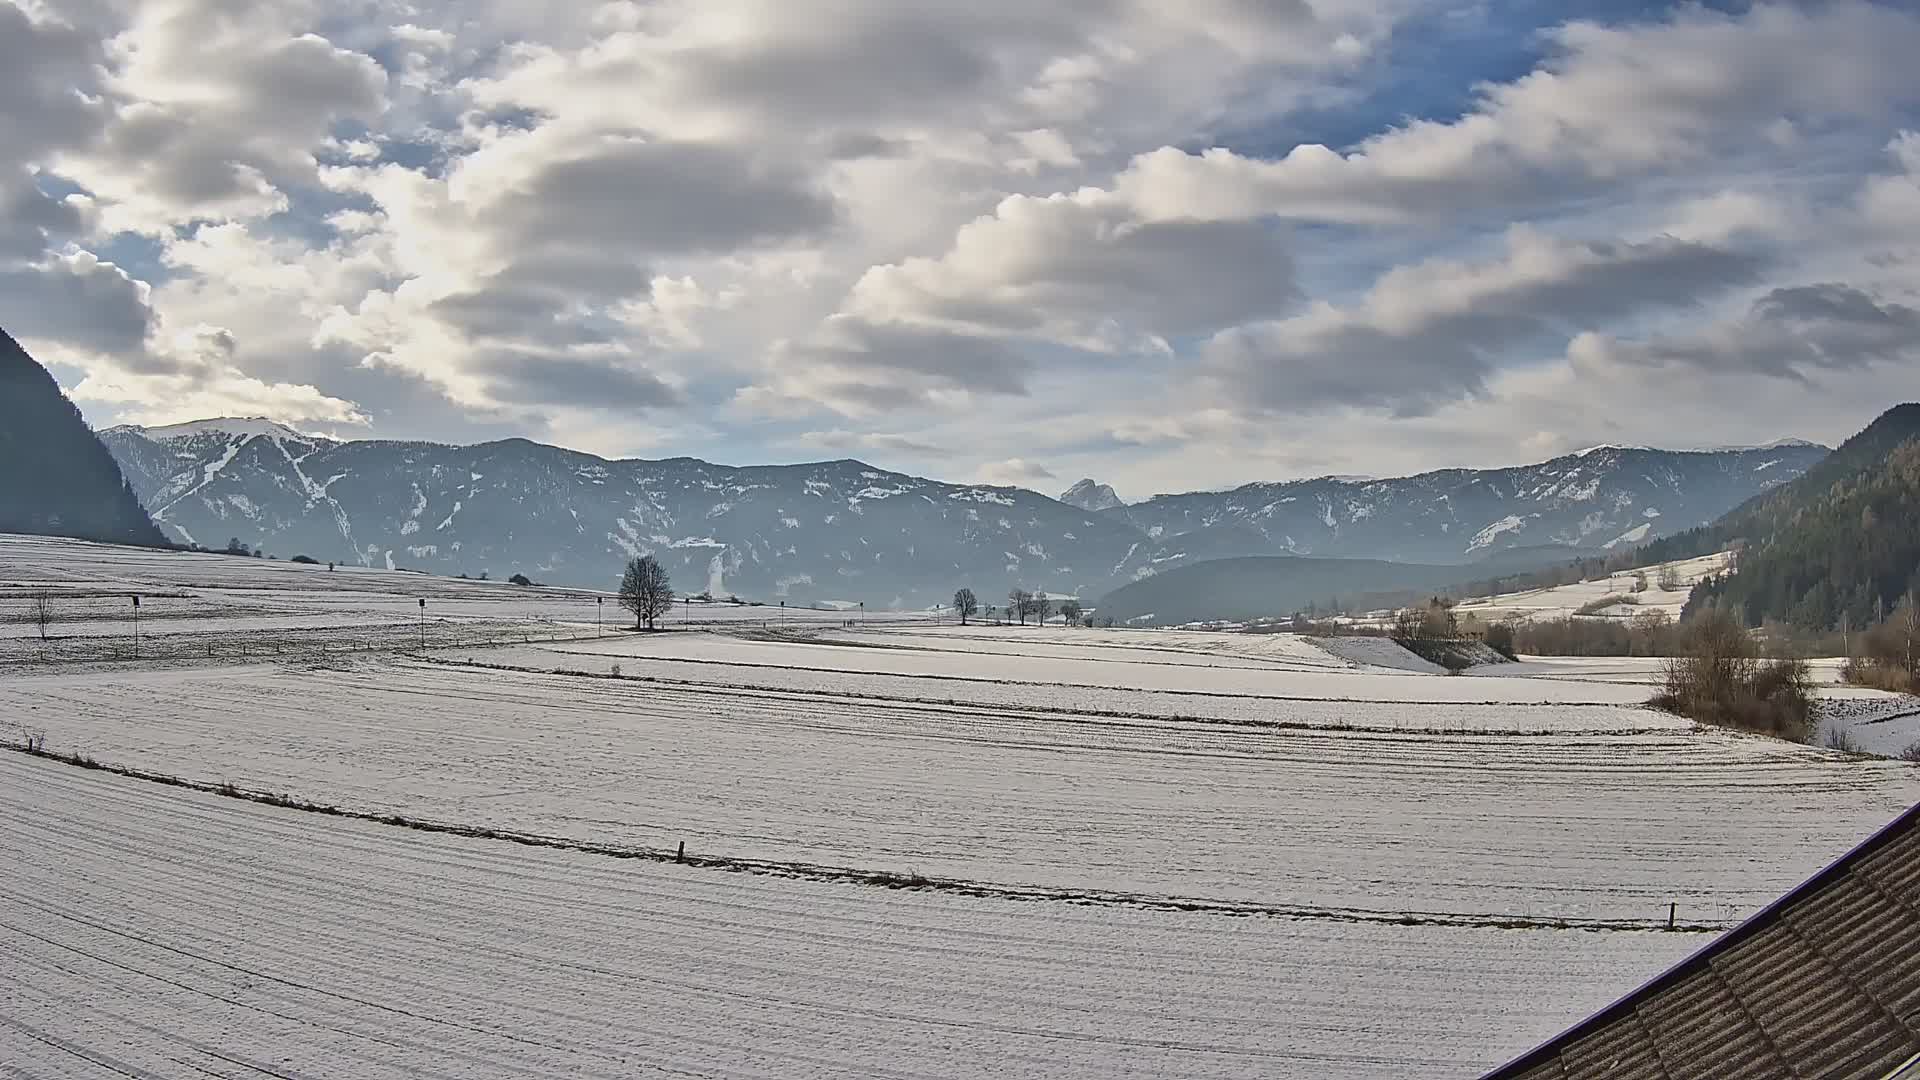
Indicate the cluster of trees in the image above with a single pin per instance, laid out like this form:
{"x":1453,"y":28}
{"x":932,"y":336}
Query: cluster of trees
{"x":1887,"y":654}
{"x":1718,"y":677}
{"x":1844,"y":560}
{"x":1434,"y":620}
{"x":1833,"y":550}
{"x":1022,"y":604}
{"x":1648,"y":633}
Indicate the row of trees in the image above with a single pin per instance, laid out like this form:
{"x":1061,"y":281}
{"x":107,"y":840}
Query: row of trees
{"x":1022,"y":604}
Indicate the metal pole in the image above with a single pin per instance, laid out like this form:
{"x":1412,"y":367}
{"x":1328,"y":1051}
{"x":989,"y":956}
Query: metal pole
{"x":599,"y":606}
{"x":136,"y":627}
{"x":423,"y":623}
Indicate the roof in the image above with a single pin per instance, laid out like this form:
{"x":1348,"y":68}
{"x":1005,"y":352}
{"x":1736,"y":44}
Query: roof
{"x":1825,"y":982}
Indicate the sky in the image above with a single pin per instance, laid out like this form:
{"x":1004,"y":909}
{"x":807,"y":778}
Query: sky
{"x":1167,"y":245}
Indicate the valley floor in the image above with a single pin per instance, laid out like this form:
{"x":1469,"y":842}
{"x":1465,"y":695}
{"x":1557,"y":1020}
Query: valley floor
{"x":914,"y":849}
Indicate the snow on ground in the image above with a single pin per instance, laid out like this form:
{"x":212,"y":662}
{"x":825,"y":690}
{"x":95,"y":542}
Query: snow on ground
{"x":1101,"y":795}
{"x":1491,"y":825}
{"x":156,"y":932}
{"x":1873,"y":722}
{"x":1563,"y":601}
{"x":196,"y":605}
{"x":1466,"y":714}
{"x":1378,"y":652}
{"x":1090,"y":670}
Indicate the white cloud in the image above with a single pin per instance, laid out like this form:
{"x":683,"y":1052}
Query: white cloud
{"x":1617,"y":102}
{"x":1014,"y":472}
{"x":1434,"y":331}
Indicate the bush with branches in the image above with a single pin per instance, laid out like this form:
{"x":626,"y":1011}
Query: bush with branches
{"x":1717,"y":677}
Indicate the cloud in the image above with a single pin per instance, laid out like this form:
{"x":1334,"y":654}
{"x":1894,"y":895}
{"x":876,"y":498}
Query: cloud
{"x":1079,"y":270}
{"x":49,"y":78}
{"x":602,"y":381}
{"x":1786,"y":334}
{"x":78,"y":300}
{"x":858,"y":368}
{"x":1617,"y":101}
{"x":1013,"y":472}
{"x":201,"y":380}
{"x":842,"y":439}
{"x":217,"y":108}
{"x":641,"y":196}
{"x":1434,"y":331}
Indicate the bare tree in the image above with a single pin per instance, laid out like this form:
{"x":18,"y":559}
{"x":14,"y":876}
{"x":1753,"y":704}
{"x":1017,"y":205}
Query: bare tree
{"x":1669,"y":579}
{"x":42,"y":612}
{"x":646,"y":590}
{"x":966,"y":604}
{"x":1042,"y":607}
{"x":1071,"y":611}
{"x":1019,"y":604}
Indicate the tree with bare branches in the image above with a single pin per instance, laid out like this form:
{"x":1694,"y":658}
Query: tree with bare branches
{"x":967,"y":604}
{"x":646,"y":591}
{"x":41,"y":609}
{"x":1042,"y":607}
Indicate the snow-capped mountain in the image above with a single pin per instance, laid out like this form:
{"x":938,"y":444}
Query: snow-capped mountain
{"x":1603,"y":497}
{"x":1090,"y":496}
{"x":843,"y":530}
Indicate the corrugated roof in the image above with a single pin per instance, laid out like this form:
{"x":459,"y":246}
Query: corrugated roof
{"x":1825,"y":982}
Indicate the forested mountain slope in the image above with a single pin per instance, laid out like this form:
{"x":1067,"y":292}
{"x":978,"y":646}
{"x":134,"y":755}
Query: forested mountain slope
{"x":56,"y":479}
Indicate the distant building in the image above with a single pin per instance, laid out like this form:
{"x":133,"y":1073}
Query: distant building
{"x":1823,"y":983}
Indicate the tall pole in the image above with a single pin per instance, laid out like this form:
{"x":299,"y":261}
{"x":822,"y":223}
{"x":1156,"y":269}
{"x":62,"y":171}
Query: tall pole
{"x":136,"y":627}
{"x":423,"y":624}
{"x":599,"y":606}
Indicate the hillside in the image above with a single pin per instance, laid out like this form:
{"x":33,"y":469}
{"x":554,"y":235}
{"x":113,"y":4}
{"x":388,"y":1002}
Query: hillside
{"x":1274,"y":586}
{"x":1841,"y":543}
{"x":56,"y":479}
{"x":845,"y":530}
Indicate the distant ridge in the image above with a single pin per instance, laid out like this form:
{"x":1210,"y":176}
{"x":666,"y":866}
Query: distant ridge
{"x":56,"y":478}
{"x":847,"y":531}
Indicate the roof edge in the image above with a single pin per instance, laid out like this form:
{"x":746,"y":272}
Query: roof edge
{"x":1748,"y":927}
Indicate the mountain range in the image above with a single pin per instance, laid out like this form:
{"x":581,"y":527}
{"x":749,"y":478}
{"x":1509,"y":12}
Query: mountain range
{"x":845,"y":530}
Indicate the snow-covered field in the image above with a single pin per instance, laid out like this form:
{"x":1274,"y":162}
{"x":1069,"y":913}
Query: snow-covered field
{"x":155,"y":932}
{"x":1563,"y":601}
{"x":200,"y":606}
{"x":1138,"y":852}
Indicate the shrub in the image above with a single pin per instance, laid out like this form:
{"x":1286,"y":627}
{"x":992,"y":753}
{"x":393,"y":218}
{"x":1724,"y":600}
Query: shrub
{"x":1864,"y":671}
{"x":1500,"y":640}
{"x":1911,"y":753}
{"x":1842,"y":739}
{"x":520,"y":579}
{"x":305,"y":560}
{"x":1718,"y":678}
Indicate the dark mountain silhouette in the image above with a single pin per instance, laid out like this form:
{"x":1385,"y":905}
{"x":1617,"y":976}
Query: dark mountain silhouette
{"x":56,"y":478}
